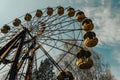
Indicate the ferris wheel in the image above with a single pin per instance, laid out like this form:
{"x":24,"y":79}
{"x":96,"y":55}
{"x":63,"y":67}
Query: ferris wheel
{"x":46,"y":32}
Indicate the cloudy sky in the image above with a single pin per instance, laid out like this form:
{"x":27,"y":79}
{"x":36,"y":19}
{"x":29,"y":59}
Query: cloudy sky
{"x":104,"y":13}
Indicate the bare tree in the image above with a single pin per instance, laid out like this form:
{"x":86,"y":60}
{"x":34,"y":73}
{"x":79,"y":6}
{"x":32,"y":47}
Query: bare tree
{"x":99,"y":71}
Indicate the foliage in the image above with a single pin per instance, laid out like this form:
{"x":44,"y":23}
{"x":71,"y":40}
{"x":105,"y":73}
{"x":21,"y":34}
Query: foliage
{"x":45,"y":71}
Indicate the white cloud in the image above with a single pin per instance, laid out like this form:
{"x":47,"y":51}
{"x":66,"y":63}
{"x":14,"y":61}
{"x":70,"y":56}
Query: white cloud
{"x":108,"y":29}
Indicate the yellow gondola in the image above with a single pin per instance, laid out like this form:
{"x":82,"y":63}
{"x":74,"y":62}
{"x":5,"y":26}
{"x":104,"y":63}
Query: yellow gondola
{"x":80,"y":16}
{"x":83,"y":53}
{"x":16,"y":22}
{"x":63,"y":75}
{"x":90,"y":35}
{"x":49,"y":11}
{"x":28,"y":17}
{"x":39,"y":13}
{"x":87,"y":25}
{"x":70,"y":12}
{"x":5,"y":29}
{"x":60,"y":11}
{"x":91,"y":42}
{"x":42,"y":24}
{"x":84,"y":64}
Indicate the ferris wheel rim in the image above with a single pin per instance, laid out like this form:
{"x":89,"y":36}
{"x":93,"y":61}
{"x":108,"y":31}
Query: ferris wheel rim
{"x":54,"y":29}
